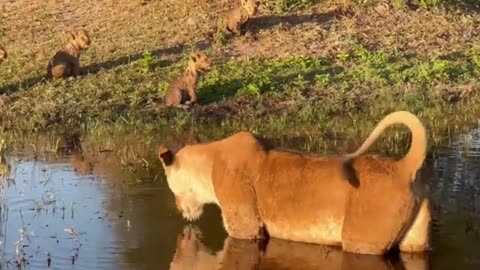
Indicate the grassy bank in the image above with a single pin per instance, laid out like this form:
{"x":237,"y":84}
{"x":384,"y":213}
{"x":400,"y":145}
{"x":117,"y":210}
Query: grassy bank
{"x":330,"y":69}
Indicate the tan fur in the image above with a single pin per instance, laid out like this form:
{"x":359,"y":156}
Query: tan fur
{"x":3,"y":54}
{"x":233,"y":20}
{"x":66,"y":62}
{"x":182,"y":91}
{"x":366,"y":204}
{"x":279,"y":254}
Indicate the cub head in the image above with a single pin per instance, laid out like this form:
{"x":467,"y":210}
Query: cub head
{"x":200,"y":62}
{"x":251,"y":6}
{"x":182,"y":183}
{"x":80,"y":38}
{"x":3,"y":54}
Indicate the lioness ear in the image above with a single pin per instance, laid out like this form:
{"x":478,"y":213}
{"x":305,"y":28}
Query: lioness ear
{"x":165,"y":155}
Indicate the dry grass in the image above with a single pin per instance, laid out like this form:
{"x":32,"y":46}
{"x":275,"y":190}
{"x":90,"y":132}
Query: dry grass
{"x":123,"y":30}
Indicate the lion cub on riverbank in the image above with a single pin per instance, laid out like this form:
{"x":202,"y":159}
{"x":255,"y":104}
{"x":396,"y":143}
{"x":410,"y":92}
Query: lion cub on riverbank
{"x":233,"y":20}
{"x":66,"y":62}
{"x":182,"y":91}
{"x":3,"y":54}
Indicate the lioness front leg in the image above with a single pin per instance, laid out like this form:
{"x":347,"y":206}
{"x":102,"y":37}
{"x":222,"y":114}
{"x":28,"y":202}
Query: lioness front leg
{"x":242,"y":222}
{"x":238,"y":203}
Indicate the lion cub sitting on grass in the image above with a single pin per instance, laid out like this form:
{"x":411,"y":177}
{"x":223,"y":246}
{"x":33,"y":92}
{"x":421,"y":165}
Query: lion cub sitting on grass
{"x":3,"y":54}
{"x":66,"y":62}
{"x":233,"y":20}
{"x":182,"y":91}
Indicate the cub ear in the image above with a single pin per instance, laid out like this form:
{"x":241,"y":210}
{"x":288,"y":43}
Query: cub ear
{"x":165,"y":155}
{"x":70,"y":35}
{"x":193,"y":57}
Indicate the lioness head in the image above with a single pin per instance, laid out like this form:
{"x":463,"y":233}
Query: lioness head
{"x":251,"y":6}
{"x":200,"y":62}
{"x":3,"y":54}
{"x":184,"y":185}
{"x":80,"y":38}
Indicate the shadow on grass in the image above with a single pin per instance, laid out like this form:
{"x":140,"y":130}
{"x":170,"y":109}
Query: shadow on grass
{"x":468,"y":6}
{"x":229,"y":88}
{"x":107,"y":65}
{"x":266,"y":22}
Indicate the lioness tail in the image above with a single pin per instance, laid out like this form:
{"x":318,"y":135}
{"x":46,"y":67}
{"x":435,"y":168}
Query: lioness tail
{"x":416,"y":154}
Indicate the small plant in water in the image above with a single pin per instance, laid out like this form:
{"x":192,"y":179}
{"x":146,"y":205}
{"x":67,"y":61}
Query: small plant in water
{"x":19,"y":253}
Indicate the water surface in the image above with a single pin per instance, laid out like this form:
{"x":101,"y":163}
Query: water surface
{"x":113,"y":210}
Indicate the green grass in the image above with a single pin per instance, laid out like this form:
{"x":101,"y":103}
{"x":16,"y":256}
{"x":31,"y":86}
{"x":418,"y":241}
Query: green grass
{"x":330,"y":98}
{"x":342,"y":84}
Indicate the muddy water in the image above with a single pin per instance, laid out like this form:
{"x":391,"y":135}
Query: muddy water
{"x":74,"y":211}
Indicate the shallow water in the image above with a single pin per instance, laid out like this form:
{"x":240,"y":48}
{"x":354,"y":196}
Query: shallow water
{"x":77,"y":215}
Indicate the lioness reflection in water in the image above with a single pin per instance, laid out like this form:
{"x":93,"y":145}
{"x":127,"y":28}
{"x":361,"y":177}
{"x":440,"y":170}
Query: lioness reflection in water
{"x":237,"y":254}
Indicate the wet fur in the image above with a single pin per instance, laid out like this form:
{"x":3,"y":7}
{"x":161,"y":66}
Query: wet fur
{"x":66,"y":62}
{"x":232,"y":21}
{"x":182,"y":91}
{"x":308,"y":198}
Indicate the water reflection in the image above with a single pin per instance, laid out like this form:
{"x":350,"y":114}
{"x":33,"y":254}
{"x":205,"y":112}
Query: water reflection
{"x":191,"y":253}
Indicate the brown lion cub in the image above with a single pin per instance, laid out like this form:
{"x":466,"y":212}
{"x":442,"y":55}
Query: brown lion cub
{"x":66,"y":62}
{"x":182,"y":91}
{"x":233,"y":20}
{"x":364,"y":203}
{"x":3,"y":54}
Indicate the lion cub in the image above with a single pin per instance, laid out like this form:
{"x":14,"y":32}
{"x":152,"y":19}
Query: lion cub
{"x":66,"y":62}
{"x":233,"y":20}
{"x":3,"y":54}
{"x":182,"y":91}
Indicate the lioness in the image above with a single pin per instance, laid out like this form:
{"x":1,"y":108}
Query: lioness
{"x":233,"y":20}
{"x":66,"y":62}
{"x":366,"y":204}
{"x":182,"y":91}
{"x":3,"y":54}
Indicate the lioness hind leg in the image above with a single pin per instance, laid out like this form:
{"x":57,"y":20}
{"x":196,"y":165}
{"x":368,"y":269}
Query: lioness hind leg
{"x":417,"y":237}
{"x":374,"y":221}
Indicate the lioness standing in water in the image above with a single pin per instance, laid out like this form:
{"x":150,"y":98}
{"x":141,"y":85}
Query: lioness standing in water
{"x":233,"y":20}
{"x":366,"y":204}
{"x":182,"y":91}
{"x":66,"y":62}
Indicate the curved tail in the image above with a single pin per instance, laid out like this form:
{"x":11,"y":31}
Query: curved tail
{"x":416,"y":154}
